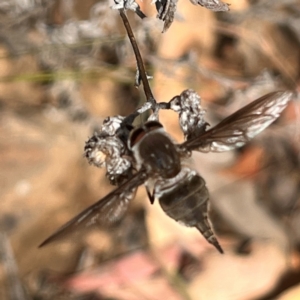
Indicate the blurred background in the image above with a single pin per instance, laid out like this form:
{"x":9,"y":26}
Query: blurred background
{"x":65,"y":65}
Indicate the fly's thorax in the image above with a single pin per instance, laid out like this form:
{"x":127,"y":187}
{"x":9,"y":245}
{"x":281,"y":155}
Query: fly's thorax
{"x":154,"y":150}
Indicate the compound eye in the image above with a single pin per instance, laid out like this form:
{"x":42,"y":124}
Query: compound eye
{"x":136,"y":136}
{"x":153,"y":125}
{"x":139,"y":133}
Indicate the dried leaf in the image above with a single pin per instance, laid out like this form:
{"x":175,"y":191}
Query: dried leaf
{"x":214,"y":5}
{"x":166,"y":10}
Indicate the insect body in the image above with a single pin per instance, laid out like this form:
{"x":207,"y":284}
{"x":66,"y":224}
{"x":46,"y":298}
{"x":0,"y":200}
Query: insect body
{"x":181,"y":191}
{"x":160,"y":164}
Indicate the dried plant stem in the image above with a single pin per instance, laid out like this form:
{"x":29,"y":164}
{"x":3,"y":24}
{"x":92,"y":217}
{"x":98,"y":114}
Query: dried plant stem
{"x":140,"y":64}
{"x":150,"y":100}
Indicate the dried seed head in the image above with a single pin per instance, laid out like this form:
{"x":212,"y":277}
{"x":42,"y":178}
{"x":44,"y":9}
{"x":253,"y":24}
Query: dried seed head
{"x":191,"y":114}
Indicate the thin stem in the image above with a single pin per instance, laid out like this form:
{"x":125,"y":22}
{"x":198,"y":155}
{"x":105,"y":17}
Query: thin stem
{"x":140,"y":64}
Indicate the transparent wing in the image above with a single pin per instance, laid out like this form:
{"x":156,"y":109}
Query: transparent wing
{"x":104,"y":212}
{"x":241,"y":126}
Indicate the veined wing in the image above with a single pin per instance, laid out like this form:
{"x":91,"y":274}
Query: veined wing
{"x":104,"y":212}
{"x":238,"y":128}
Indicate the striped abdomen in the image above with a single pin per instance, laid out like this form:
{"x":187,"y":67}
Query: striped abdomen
{"x":187,"y":203}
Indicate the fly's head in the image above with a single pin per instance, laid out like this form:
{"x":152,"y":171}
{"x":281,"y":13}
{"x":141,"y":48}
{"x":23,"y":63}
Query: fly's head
{"x":137,"y":138}
{"x":191,"y":114}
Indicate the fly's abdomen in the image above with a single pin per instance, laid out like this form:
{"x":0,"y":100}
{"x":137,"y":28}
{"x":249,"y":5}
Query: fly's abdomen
{"x":187,"y":203}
